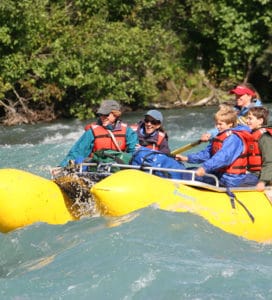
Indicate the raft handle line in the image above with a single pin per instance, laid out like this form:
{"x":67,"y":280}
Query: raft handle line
{"x":150,"y":170}
{"x":232,"y":201}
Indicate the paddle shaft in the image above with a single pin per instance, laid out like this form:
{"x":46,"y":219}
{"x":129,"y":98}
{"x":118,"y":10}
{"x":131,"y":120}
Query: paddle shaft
{"x":186,"y":147}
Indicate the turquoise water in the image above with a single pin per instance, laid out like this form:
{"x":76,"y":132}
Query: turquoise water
{"x":151,"y":254}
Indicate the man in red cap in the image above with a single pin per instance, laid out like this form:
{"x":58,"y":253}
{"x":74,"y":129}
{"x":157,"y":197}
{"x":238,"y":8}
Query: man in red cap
{"x":246,"y":97}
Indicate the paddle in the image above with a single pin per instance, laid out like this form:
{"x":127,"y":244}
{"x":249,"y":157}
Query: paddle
{"x":186,"y":147}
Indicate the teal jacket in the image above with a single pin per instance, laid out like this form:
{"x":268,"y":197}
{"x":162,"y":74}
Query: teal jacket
{"x":84,"y":145}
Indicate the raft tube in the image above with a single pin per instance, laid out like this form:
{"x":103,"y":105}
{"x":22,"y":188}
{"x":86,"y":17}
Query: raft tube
{"x":248,"y":216}
{"x":26,"y":198}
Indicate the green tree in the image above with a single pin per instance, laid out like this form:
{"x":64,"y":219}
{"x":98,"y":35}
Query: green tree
{"x":63,"y":57}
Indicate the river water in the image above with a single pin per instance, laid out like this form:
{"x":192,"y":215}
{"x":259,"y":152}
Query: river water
{"x":152,"y":254}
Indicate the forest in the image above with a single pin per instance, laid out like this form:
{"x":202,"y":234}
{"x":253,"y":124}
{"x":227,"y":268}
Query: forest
{"x":60,"y":58}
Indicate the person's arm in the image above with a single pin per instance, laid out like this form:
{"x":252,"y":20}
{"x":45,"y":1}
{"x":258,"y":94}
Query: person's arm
{"x":181,"y":157}
{"x":131,"y":140}
{"x":82,"y":148}
{"x":231,"y":149}
{"x":265,"y":144}
{"x":201,"y":156}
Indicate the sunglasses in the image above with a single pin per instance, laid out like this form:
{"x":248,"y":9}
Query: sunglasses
{"x":103,"y":115}
{"x":152,"y":121}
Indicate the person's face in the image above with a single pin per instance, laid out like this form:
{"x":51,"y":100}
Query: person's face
{"x":253,"y":122}
{"x":107,"y":119}
{"x":221,"y":125}
{"x":243,"y":100}
{"x":151,"y":124}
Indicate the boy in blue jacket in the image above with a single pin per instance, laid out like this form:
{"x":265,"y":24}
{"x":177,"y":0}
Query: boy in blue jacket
{"x":226,"y":156}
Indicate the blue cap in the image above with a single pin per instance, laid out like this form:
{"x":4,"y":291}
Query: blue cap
{"x":155,"y":114}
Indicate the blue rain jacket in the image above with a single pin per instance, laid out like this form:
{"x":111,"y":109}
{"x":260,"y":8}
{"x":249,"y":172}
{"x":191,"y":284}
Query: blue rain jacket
{"x":231,"y":149}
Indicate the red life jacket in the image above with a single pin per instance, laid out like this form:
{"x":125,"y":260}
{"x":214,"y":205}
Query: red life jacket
{"x":103,"y":139}
{"x":255,"y":157}
{"x":149,"y":142}
{"x":239,"y":166}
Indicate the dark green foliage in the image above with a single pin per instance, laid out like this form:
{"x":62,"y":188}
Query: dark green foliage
{"x":70,"y":55}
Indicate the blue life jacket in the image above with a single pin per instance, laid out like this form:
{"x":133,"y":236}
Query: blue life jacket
{"x":146,"y":157}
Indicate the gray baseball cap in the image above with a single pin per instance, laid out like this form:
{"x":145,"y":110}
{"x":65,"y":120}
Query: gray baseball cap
{"x":107,"y":106}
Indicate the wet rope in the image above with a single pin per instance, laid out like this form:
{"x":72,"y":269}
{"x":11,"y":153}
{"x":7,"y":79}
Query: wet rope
{"x":232,"y":201}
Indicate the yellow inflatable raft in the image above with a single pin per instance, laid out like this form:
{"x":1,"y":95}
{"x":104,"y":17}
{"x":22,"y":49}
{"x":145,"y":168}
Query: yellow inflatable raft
{"x":248,"y":215}
{"x":26,"y":198}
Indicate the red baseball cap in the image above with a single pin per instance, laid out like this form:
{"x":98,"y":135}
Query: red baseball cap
{"x":242,"y":90}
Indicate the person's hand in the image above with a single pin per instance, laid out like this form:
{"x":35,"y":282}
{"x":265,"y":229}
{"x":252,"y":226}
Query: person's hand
{"x":181,"y":157}
{"x":200,"y":171}
{"x":260,"y":186}
{"x":205,"y":137}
